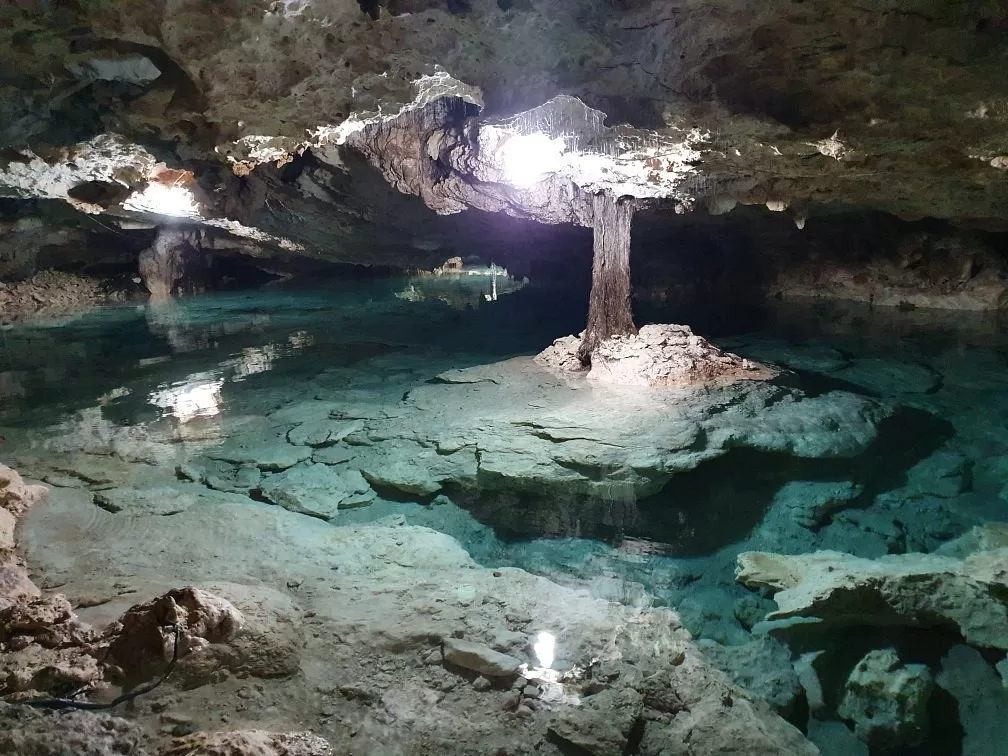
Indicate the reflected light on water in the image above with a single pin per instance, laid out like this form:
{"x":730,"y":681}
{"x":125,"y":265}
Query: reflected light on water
{"x":197,"y":397}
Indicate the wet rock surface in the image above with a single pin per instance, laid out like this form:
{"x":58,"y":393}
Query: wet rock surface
{"x":887,"y":700}
{"x":914,"y":590}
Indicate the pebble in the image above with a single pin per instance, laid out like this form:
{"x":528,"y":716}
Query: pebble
{"x":481,"y":684}
{"x":531,"y":691}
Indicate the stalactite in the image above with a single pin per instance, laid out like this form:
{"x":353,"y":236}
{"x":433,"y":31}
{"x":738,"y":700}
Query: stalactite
{"x":609,"y":312}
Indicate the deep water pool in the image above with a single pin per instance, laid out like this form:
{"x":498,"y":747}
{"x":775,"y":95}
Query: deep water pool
{"x":150,"y":410}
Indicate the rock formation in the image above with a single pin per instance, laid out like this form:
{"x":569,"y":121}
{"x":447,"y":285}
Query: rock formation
{"x":268,"y":137}
{"x":658,"y":356}
{"x":887,"y":701}
{"x":964,"y":595}
{"x":609,"y":301}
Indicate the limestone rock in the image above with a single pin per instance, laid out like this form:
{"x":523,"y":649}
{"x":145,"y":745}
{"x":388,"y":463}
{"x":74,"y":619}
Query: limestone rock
{"x":414,"y":469}
{"x":811,"y":503}
{"x":45,"y":670}
{"x":635,"y":437}
{"x":7,"y":524}
{"x":156,"y":500}
{"x":248,"y":743}
{"x":15,"y":495}
{"x":267,"y":456}
{"x":30,"y":732}
{"x":912,"y":590}
{"x":945,"y":474}
{"x":46,"y":620}
{"x":321,"y":433}
{"x":887,"y":700}
{"x":317,"y":490}
{"x":220,"y":475}
{"x":605,"y":724}
{"x":479,"y":658}
{"x":982,"y":700}
{"x":15,"y":585}
{"x":562,"y":355}
{"x":833,"y":738}
{"x":660,"y":356}
{"x":142,"y":641}
{"x":762,"y":666}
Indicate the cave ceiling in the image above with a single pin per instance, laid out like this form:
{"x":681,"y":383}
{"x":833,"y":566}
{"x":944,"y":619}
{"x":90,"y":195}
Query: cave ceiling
{"x":333,"y":128}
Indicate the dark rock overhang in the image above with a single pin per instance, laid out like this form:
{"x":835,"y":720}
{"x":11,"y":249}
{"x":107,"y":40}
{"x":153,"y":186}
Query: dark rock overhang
{"x":272,"y":124}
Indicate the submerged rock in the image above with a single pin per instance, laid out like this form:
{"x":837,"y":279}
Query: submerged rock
{"x":317,"y":489}
{"x":29,"y":732}
{"x":763,"y":667}
{"x":889,"y":377}
{"x":887,"y":700}
{"x":981,"y":698}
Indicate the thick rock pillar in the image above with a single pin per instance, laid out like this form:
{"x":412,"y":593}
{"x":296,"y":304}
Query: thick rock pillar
{"x":609,"y":312}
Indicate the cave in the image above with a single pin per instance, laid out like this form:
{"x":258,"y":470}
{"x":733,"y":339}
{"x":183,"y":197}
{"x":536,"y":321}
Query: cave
{"x":503,"y":376}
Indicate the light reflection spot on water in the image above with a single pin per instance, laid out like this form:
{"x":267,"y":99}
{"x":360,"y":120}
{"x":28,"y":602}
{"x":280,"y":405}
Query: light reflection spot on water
{"x":190,"y":399}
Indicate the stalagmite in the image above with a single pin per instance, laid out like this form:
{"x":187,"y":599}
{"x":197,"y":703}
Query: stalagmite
{"x":609,"y":312}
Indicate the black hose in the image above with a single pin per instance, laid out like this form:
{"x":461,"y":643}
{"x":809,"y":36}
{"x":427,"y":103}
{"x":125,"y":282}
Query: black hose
{"x":69,"y":703}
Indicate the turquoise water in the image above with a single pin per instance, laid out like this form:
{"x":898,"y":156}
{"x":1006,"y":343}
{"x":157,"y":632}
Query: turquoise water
{"x":938,"y":467}
{"x":269,"y":347}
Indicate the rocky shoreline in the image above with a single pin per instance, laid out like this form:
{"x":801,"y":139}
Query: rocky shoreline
{"x":406,"y":659}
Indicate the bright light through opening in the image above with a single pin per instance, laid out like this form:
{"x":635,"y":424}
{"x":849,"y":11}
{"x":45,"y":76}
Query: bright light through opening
{"x":176,"y":201}
{"x":527,"y":158}
{"x":545,"y":648}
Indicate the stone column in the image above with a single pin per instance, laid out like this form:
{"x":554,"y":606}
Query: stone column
{"x":609,"y":312}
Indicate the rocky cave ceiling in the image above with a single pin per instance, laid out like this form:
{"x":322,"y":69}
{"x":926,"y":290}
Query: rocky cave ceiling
{"x":280,"y":125}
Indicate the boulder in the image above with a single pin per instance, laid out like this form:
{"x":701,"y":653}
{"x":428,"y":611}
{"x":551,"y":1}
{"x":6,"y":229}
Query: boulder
{"x":980,"y":697}
{"x":887,"y":700}
{"x":220,"y":475}
{"x":887,"y":377}
{"x":143,"y":639}
{"x":479,"y":658}
{"x":810,"y":504}
{"x":321,"y":433}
